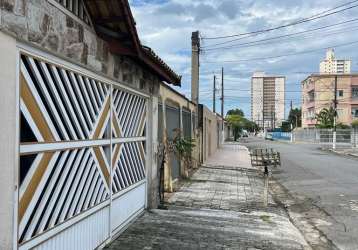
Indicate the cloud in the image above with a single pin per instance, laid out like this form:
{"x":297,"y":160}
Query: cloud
{"x":166,"y":26}
{"x":229,"y":8}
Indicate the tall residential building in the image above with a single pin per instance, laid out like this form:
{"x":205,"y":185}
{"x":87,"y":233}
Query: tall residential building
{"x":331,"y":65}
{"x":318,"y":93}
{"x":267,"y":100}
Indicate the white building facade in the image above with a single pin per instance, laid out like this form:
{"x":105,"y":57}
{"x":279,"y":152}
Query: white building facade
{"x":331,"y":65}
{"x":267,"y":100}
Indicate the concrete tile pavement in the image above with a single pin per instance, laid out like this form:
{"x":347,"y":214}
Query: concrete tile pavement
{"x":220,"y":207}
{"x":230,"y":155}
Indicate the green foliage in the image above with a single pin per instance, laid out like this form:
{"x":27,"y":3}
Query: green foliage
{"x":184,"y":147}
{"x":343,"y":126}
{"x":286,"y":126}
{"x":355,"y":124}
{"x":325,"y":118}
{"x":239,"y":123}
{"x":238,"y":112}
{"x":295,"y":118}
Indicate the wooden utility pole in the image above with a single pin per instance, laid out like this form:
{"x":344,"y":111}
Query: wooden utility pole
{"x":214,"y":95}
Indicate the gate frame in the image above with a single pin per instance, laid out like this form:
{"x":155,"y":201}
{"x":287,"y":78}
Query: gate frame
{"x":58,"y":60}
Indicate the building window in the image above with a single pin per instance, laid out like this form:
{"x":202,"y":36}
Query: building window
{"x":355,"y":92}
{"x":355,"y":112}
{"x":340,"y":93}
{"x":311,"y":96}
{"x":76,"y":7}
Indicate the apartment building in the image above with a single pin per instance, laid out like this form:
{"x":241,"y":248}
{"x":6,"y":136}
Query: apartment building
{"x":331,"y":65}
{"x":267,"y":100}
{"x":318,"y":93}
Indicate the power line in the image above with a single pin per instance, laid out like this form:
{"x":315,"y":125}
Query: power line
{"x":308,"y":19}
{"x":296,"y":33}
{"x":262,"y":41}
{"x":284,"y":55}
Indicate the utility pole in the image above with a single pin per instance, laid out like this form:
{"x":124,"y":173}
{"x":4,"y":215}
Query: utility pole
{"x":222,"y":105}
{"x":195,"y":64}
{"x":214,"y":95}
{"x":335,"y":112}
{"x":195,"y":44}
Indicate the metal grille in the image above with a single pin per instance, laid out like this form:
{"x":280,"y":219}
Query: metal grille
{"x":76,"y":7}
{"x":186,"y":124}
{"x":73,"y":128}
{"x":173,"y":124}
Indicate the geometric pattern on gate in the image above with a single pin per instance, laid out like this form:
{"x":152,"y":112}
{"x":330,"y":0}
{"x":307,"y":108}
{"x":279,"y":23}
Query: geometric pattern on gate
{"x":129,"y":114}
{"x":128,"y":165}
{"x":59,"y":105}
{"x":69,"y":183}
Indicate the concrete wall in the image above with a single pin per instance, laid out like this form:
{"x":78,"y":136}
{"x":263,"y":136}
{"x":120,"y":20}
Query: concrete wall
{"x":210,"y":133}
{"x":8,"y":138}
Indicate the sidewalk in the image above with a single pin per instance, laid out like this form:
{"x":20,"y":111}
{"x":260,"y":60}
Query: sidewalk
{"x":220,"y":207}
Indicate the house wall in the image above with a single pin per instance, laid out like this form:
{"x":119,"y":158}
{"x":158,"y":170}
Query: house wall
{"x":8,"y":152}
{"x":209,"y":133}
{"x":170,"y":97}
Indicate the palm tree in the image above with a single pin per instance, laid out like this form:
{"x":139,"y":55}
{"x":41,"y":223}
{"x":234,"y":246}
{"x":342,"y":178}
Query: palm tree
{"x":325,"y":118}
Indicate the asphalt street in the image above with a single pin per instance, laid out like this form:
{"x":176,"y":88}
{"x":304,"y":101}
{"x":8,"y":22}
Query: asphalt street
{"x":329,"y":181}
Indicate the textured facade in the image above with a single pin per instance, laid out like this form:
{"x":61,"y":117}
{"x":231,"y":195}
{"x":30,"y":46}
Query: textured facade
{"x":267,"y":100}
{"x":318,"y":93}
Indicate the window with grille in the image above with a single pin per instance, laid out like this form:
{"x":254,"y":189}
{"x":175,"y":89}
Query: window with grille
{"x":77,"y":8}
{"x":355,"y":92}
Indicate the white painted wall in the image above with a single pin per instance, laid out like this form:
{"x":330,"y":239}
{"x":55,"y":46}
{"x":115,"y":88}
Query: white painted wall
{"x":8,"y":135}
{"x":257,"y":99}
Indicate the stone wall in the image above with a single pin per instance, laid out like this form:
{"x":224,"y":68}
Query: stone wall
{"x":43,"y":25}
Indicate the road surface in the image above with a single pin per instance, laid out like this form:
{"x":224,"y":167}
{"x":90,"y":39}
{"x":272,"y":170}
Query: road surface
{"x":329,"y":181}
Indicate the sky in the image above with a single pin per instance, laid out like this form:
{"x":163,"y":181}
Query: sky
{"x":166,"y":27}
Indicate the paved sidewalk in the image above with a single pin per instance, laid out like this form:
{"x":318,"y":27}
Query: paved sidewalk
{"x":220,"y":207}
{"x":231,"y":155}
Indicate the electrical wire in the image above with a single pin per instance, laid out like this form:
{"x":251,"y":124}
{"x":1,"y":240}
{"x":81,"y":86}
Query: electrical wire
{"x":284,"y":55}
{"x":283,"y":38}
{"x":304,"y":20}
{"x":287,"y":35}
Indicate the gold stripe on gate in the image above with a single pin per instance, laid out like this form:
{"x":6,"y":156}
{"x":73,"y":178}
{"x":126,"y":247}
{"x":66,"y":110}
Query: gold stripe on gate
{"x":35,"y":111}
{"x":34,"y":182}
{"x":115,"y":155}
{"x":102,"y":120}
{"x":102,"y":163}
{"x":116,"y":125}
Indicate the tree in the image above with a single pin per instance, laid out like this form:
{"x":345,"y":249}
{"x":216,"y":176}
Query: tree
{"x":236,"y":123}
{"x":238,"y":112}
{"x":325,"y":118}
{"x":239,"y":123}
{"x":295,"y":117}
{"x":286,"y":126}
{"x":355,"y":124}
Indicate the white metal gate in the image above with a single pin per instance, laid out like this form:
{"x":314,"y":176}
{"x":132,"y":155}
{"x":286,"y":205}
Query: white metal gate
{"x":82,"y":159}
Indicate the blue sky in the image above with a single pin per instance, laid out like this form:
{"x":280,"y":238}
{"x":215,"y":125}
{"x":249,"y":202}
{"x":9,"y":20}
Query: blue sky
{"x":166,"y":26}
